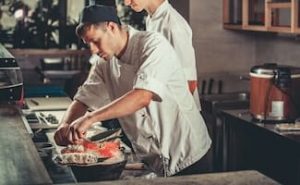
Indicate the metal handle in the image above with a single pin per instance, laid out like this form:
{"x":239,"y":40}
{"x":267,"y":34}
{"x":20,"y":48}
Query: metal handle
{"x":244,"y":78}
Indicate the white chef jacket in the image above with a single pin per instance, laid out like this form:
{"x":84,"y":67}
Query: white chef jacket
{"x":167,"y":21}
{"x":169,"y":134}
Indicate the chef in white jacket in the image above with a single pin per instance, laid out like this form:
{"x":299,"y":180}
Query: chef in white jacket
{"x":164,"y":19}
{"x":145,"y":82}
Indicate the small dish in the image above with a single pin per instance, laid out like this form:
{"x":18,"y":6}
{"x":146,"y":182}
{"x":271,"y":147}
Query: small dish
{"x":288,"y":127}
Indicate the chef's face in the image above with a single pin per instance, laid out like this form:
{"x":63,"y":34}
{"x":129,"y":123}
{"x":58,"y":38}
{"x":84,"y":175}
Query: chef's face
{"x":136,"y":5}
{"x":99,"y":40}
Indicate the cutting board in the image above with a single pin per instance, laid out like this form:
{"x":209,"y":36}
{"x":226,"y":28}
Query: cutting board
{"x":48,"y":103}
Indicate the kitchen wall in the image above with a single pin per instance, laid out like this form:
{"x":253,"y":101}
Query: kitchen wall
{"x":182,"y":6}
{"x":226,"y":54}
{"x":226,"y":50}
{"x":283,"y":49}
{"x":218,"y":50}
{"x":221,"y":55}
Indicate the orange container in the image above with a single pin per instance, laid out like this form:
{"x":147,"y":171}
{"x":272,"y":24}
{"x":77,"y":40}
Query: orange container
{"x":275,"y":92}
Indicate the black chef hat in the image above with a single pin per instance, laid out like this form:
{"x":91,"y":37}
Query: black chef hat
{"x":99,"y":13}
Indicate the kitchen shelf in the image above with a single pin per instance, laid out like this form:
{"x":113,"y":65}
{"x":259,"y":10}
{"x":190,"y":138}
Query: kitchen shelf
{"x":231,"y":26}
{"x":279,"y":5}
{"x":262,"y":15}
{"x":280,"y":29}
{"x":255,"y":28}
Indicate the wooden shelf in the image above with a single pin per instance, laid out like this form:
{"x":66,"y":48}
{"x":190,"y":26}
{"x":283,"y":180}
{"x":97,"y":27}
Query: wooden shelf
{"x":232,"y":26}
{"x":279,"y":5}
{"x":269,"y":18}
{"x":255,"y":28}
{"x":48,"y":52}
{"x":280,"y":29}
{"x":297,"y":30}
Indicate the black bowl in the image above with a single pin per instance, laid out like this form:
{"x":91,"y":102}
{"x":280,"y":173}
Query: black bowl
{"x":98,"y":171}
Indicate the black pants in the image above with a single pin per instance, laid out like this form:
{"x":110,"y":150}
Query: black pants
{"x":201,"y":166}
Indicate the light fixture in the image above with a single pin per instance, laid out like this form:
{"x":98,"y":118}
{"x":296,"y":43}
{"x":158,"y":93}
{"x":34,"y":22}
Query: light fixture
{"x":19,"y":9}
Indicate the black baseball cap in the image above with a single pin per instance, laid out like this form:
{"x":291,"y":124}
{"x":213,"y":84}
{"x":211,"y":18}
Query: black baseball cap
{"x":99,"y":13}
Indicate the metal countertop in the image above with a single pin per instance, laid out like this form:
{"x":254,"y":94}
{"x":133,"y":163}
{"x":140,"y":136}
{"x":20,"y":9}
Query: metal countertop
{"x":19,"y":160}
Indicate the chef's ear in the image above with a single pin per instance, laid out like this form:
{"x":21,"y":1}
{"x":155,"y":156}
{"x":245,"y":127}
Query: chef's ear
{"x":112,"y":26}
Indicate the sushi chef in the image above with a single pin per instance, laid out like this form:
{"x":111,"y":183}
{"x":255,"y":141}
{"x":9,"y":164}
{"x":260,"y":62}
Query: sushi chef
{"x":164,"y":19}
{"x":148,"y":91}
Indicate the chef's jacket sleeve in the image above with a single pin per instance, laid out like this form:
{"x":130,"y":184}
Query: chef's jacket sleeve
{"x":160,"y":68}
{"x":93,"y":92}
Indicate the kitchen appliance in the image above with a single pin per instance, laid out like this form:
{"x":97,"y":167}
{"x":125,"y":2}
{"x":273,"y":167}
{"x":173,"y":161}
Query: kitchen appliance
{"x":275,"y":92}
{"x":11,"y":81}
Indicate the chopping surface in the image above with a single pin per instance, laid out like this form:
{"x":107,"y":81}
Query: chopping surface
{"x":19,"y":159}
{"x":228,"y":178}
{"x":50,"y":103}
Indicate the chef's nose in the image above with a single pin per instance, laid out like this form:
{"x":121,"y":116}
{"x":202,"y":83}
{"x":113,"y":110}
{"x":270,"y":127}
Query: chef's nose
{"x":127,"y":2}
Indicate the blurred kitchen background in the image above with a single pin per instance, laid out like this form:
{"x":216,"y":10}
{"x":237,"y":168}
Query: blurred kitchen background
{"x":222,"y":55}
{"x":40,"y":35}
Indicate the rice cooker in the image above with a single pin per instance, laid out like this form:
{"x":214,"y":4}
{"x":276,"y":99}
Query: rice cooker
{"x":275,"y":92}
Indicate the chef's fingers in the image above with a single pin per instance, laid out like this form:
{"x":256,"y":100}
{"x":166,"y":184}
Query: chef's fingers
{"x":60,"y":136}
{"x":78,"y":138}
{"x":70,"y":136}
{"x":74,"y":135}
{"x":80,"y":131}
{"x":81,"y":134}
{"x":79,"y":141}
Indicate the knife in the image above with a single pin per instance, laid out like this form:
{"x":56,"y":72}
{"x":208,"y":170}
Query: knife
{"x":106,"y":135}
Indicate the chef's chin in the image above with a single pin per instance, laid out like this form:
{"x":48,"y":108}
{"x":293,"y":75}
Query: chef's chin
{"x":107,"y":58}
{"x":137,"y":8}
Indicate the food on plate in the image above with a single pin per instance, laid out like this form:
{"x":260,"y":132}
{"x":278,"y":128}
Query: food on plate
{"x":288,"y":127}
{"x":79,"y":158}
{"x":91,"y":152}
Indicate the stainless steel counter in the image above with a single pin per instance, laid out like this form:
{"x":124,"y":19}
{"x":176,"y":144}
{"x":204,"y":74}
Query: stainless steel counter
{"x":270,"y":127}
{"x":251,"y":144}
{"x":19,"y":159}
{"x":228,"y":178}
{"x":21,"y":164}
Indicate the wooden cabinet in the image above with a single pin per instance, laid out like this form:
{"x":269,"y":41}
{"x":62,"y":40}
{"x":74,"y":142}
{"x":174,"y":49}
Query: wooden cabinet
{"x":262,"y":15}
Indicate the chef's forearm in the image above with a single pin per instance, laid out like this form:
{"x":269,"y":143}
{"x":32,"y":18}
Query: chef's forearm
{"x":75,"y":110}
{"x":123,"y":106}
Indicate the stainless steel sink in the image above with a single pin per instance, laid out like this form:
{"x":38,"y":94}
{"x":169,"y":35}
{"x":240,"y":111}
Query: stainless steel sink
{"x":239,"y":96}
{"x":212,"y":102}
{"x":212,"y":105}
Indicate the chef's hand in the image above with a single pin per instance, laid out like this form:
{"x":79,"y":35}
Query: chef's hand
{"x":61,"y":135}
{"x":78,"y":130}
